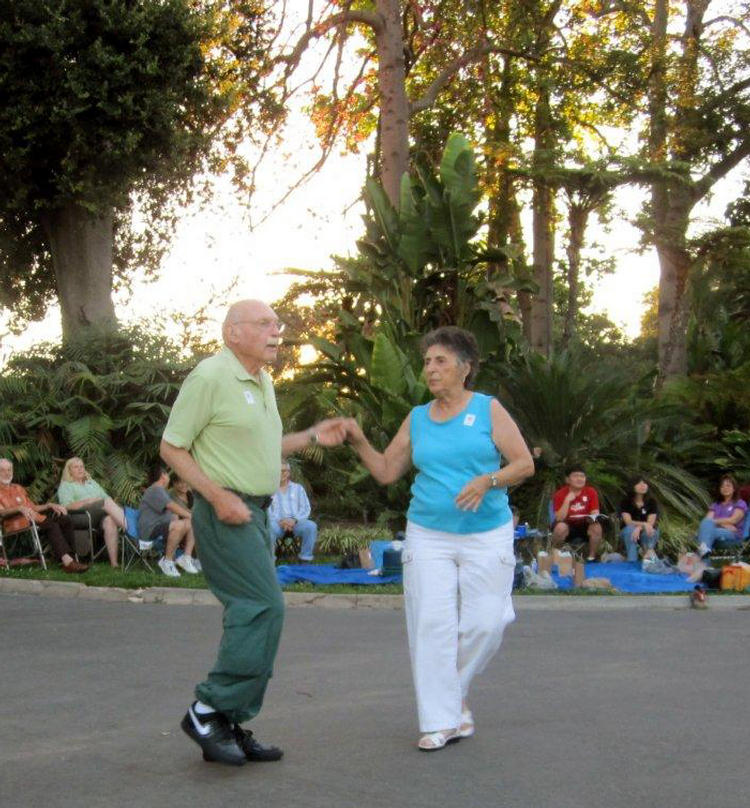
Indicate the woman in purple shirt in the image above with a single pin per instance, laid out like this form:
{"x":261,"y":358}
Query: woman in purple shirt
{"x":725,"y":519}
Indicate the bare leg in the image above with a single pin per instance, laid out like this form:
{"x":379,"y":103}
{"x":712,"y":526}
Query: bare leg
{"x":595,"y":537}
{"x":177,"y":530}
{"x":109,"y":527}
{"x":111,"y":508}
{"x":189,"y":545}
{"x":560,"y":533}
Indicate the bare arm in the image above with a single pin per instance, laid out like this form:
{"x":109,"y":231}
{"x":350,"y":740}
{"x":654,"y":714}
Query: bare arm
{"x":180,"y":510}
{"x":331,"y":432}
{"x":228,"y":506}
{"x":386,"y":467}
{"x":562,"y":514}
{"x":51,"y":506}
{"x":507,"y":437}
{"x":23,"y":510}
{"x":732,"y":521}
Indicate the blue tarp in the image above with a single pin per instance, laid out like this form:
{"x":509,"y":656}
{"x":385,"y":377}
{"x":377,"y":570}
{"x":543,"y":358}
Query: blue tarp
{"x":626,"y":576}
{"x":329,"y":574}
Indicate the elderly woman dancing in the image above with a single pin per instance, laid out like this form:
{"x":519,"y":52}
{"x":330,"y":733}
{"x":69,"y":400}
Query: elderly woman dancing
{"x":458,"y":556}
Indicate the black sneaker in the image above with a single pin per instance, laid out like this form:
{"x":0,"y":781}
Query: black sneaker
{"x":215,"y":735}
{"x":253,"y":749}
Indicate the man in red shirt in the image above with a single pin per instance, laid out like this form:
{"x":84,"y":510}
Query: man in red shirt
{"x":17,"y":511}
{"x":576,"y":507}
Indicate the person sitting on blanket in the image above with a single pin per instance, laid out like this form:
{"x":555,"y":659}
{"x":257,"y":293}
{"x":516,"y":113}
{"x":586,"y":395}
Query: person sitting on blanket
{"x":160,"y":517}
{"x":576,"y":507}
{"x":17,"y":512}
{"x":639,"y":513}
{"x":290,"y":511}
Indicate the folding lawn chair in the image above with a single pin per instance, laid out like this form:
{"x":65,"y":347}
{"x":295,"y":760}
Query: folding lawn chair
{"x":83,"y":531}
{"x":133,"y":549}
{"x":288,"y":545}
{"x":731,"y":552}
{"x":26,"y":537}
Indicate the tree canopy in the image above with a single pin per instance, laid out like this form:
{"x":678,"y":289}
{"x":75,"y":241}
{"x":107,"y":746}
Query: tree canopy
{"x":103,"y":101}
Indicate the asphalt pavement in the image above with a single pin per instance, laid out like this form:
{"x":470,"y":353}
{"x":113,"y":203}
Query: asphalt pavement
{"x":581,"y":708}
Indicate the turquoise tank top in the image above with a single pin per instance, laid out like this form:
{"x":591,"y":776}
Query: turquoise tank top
{"x":447,"y":455}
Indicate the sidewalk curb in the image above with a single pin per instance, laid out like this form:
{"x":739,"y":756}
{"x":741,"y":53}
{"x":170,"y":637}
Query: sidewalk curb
{"x":173,"y":596}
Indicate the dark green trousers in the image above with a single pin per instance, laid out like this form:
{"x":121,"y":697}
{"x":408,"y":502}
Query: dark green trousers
{"x":239,"y":568}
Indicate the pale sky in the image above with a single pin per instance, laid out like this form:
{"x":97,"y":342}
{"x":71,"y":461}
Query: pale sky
{"x":215,"y":244}
{"x":212,"y":245}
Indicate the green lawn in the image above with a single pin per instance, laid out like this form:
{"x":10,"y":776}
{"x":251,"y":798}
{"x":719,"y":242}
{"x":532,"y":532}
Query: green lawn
{"x":139,"y":578}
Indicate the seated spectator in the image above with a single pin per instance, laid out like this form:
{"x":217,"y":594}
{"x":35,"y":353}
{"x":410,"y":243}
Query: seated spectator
{"x":181,"y":492}
{"x":17,"y":512}
{"x":725,"y":518}
{"x":161,"y":518}
{"x":639,"y":513}
{"x":289,"y":511}
{"x":576,"y":507}
{"x":79,"y":492}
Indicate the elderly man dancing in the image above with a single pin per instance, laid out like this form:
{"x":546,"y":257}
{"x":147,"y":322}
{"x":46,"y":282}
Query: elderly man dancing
{"x":224,"y":437}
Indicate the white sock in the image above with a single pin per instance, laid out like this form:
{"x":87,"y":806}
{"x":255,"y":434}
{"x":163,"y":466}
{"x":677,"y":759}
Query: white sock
{"x":202,"y":709}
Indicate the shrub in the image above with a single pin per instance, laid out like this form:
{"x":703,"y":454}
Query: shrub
{"x":105,"y":400}
{"x":342,"y":539}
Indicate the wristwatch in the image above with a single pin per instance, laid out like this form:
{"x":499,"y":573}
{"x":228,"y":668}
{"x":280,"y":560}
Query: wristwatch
{"x":314,"y":437}
{"x":494,"y":482}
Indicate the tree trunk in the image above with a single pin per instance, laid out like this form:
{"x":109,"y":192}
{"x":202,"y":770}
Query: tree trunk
{"x":81,"y":247}
{"x":503,"y":215}
{"x":394,"y":105}
{"x":672,"y":201}
{"x":543,"y":216}
{"x":577,"y":218}
{"x":674,"y":267}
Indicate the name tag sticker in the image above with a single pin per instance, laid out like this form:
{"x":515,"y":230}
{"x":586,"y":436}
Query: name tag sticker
{"x":249,"y":397}
{"x":469,"y":419}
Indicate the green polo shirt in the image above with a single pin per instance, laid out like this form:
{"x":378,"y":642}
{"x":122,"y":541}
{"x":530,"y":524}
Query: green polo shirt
{"x":227,"y":419}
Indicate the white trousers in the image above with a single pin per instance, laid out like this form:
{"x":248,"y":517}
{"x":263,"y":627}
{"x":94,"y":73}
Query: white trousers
{"x":457,"y":591}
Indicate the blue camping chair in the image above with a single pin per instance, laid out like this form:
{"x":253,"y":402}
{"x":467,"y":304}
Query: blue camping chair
{"x":133,"y":549}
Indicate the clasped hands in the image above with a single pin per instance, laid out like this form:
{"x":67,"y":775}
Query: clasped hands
{"x":335,"y":431}
{"x":638,"y":529}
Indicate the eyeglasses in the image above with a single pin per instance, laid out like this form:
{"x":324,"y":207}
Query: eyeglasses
{"x":264,"y":325}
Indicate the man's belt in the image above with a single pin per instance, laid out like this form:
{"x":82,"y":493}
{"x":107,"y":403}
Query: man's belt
{"x":260,"y":502}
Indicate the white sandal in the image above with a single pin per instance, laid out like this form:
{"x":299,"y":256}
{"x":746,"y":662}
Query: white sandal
{"x":466,"y":730}
{"x":432,"y":741}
